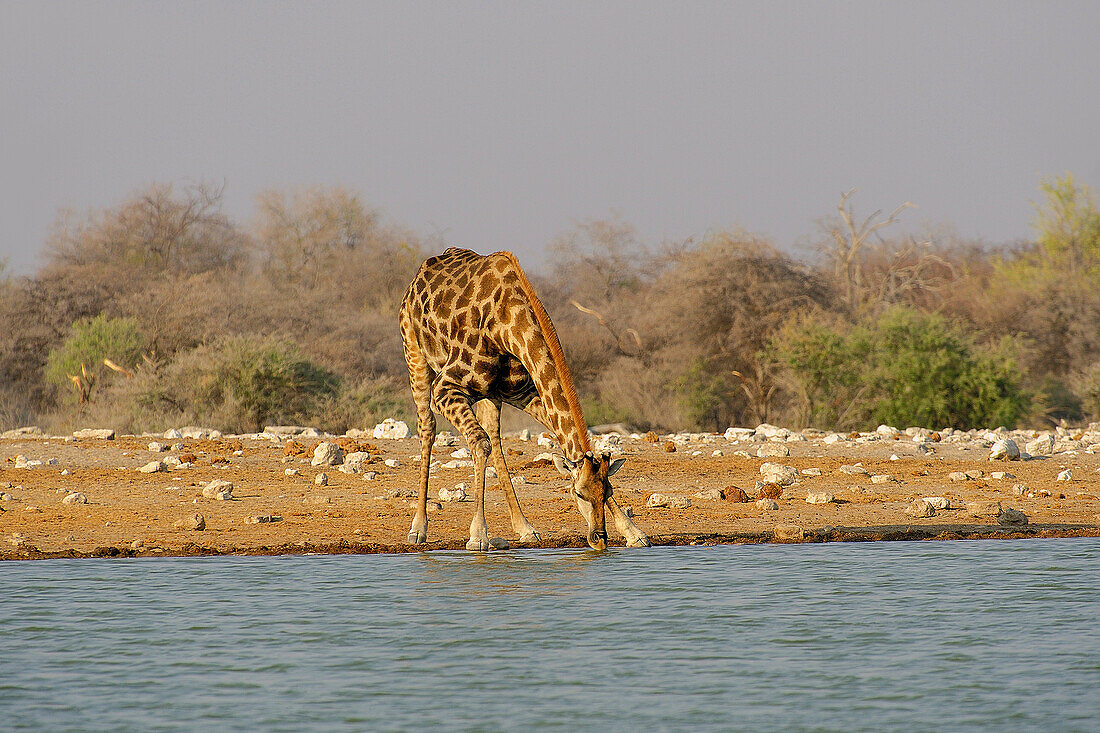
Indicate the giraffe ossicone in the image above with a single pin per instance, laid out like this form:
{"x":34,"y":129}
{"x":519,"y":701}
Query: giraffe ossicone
{"x":475,"y":337}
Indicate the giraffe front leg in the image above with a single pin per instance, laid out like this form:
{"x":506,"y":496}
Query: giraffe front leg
{"x":488,"y":414}
{"x":455,"y":406}
{"x":634,"y":536}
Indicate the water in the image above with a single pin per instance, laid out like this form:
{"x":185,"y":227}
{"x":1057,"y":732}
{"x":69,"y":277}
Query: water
{"x":994,"y":635}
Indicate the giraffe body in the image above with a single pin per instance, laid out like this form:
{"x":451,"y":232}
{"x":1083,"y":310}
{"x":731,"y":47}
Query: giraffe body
{"x":475,"y":337}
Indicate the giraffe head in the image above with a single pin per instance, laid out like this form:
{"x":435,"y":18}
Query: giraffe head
{"x":591,"y":488}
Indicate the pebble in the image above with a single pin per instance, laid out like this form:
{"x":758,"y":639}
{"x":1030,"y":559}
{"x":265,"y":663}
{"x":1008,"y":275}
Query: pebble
{"x":736,"y":494}
{"x":1011,"y":517}
{"x":218,"y":489}
{"x":669,"y":501}
{"x":920,"y":508}
{"x":137,"y":544}
{"x":66,"y":472}
{"x":810,"y":471}
{"x":1066,"y":475}
{"x":958,"y":476}
{"x":1041,"y":446}
{"x":292,"y":472}
{"x":717,"y":453}
{"x":354,"y":462}
{"x":370,"y":476}
{"x":1005,"y":450}
{"x":396,"y":462}
{"x":75,"y":498}
{"x":788,"y":533}
{"x":999,"y":475}
{"x":983,"y":508}
{"x":882,"y":478}
{"x":263,"y":519}
{"x":711,"y":494}
{"x":101,"y":433}
{"x":974,"y":474}
{"x":822,"y":497}
{"x":498,"y":543}
{"x":321,"y":479}
{"x":938,"y":502}
{"x":455,"y":494}
{"x":433,"y":507}
{"x":856,"y":469}
{"x":327,"y":454}
{"x":195,"y":522}
{"x":772,"y":450}
{"x":155,"y":447}
{"x":462,"y":453}
{"x":153,"y":467}
{"x":390,"y":429}
{"x":766,"y":504}
{"x":400,"y":493}
{"x":777,"y":473}
{"x":5,"y":496}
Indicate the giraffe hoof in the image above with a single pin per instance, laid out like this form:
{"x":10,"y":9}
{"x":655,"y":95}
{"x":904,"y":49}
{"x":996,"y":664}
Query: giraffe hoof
{"x":418,"y":537}
{"x":477,"y":545}
{"x":530,"y":537}
{"x":642,"y":541}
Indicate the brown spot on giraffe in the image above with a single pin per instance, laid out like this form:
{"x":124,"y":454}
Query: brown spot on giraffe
{"x":482,"y":339}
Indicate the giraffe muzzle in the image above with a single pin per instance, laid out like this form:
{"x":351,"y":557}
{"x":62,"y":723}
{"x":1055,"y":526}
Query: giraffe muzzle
{"x":597,"y":539}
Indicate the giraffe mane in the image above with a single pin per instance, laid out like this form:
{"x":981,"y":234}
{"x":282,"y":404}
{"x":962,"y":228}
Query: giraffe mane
{"x":556,"y":353}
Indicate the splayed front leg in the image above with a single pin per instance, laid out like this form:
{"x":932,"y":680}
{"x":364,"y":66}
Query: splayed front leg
{"x":488,"y":414}
{"x":634,"y":536}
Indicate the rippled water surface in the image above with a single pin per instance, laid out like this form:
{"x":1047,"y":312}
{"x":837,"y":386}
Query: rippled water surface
{"x":994,"y":635}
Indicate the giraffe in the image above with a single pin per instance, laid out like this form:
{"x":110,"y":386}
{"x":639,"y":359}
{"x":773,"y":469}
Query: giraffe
{"x":476,"y":336}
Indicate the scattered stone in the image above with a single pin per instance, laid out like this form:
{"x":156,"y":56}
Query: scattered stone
{"x":5,"y":496}
{"x":462,"y":453}
{"x":1011,"y":517}
{"x":770,"y":491}
{"x":153,"y":467}
{"x":810,"y":471}
{"x":354,"y":462}
{"x":172,"y":434}
{"x":75,"y":498}
{"x":777,"y":473}
{"x":433,"y":506}
{"x":156,"y":447}
{"x":1066,"y":475}
{"x":957,"y":476}
{"x":1041,"y":446}
{"x":455,"y":494}
{"x":321,"y":479}
{"x":651,"y":437}
{"x":833,"y":438}
{"x":394,"y":462}
{"x":669,"y":501}
{"x":788,"y":533}
{"x":938,"y":502}
{"x":390,"y":429}
{"x":822,"y":497}
{"x":194,"y":522}
{"x":284,"y":430}
{"x":766,"y":504}
{"x":1005,"y":450}
{"x":498,"y":543}
{"x":716,"y":454}
{"x":920,"y":508}
{"x":137,"y":544}
{"x":97,"y":433}
{"x":292,"y":472}
{"x":773,"y":450}
{"x":370,"y":476}
{"x":983,"y":508}
{"x":218,"y":489}
{"x":736,"y":495}
{"x":999,"y":475}
{"x":327,"y":454}
{"x":856,"y":469}
{"x":400,"y":493}
{"x":670,"y":447}
{"x":882,"y":478}
{"x":711,"y":494}
{"x":319,"y":500}
{"x":66,"y":472}
{"x":263,"y":519}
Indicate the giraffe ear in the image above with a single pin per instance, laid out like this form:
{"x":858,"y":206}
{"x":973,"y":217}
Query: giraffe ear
{"x":615,"y":466}
{"x":564,"y":465}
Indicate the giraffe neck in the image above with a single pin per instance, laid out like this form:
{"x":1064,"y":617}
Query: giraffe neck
{"x":571,"y":436}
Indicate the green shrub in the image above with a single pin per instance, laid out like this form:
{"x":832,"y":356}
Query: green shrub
{"x":91,"y":341}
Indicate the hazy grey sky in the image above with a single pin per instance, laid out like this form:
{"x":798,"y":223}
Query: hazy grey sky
{"x":502,"y":125}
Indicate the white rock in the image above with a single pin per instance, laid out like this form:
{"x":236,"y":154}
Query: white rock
{"x":390,"y":429}
{"x":920,"y":508}
{"x":738,"y":433}
{"x":711,"y":494}
{"x":1066,"y":475}
{"x":957,"y":476}
{"x":75,"y":498}
{"x":776,"y":473}
{"x":450,"y":464}
{"x":882,"y":478}
{"x":764,"y":431}
{"x":100,"y":433}
{"x":1020,"y":489}
{"x":393,"y":462}
{"x":999,"y":475}
{"x":822,"y":497}
{"x":218,"y":489}
{"x":461,"y":453}
{"x":832,"y":438}
{"x":670,"y":501}
{"x":327,"y":454}
{"x":354,"y":462}
{"x":156,"y":447}
{"x":321,"y":479}
{"x":446,"y":439}
{"x":772,"y":450}
{"x":455,"y":494}
{"x":1041,"y":446}
{"x":518,"y":480}
{"x":370,"y":476}
{"x":545,"y":441}
{"x":5,"y":496}
{"x":938,"y":502}
{"x":766,"y":504}
{"x":153,"y":467}
{"x":854,"y":470}
{"x":292,"y":472}
{"x":716,"y":453}
{"x":887,"y":431}
{"x":1005,"y":450}
{"x":172,"y":434}
{"x":810,"y":471}
{"x":525,"y":435}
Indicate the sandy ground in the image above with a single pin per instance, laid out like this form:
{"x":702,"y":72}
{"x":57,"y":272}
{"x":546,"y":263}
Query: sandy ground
{"x":129,"y":513}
